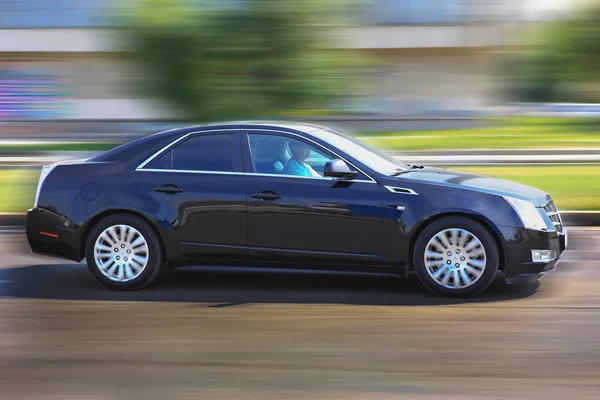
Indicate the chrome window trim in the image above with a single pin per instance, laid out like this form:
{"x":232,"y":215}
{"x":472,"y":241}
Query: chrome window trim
{"x":190,"y":171}
{"x":328,"y":178}
{"x":406,"y":190}
{"x":185,"y":171}
{"x":173,"y":143}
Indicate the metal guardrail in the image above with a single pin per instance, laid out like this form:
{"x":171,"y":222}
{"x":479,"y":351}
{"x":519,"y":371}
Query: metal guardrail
{"x":87,"y":130}
{"x":12,"y":219}
{"x":570,"y":218}
{"x":433,"y":158}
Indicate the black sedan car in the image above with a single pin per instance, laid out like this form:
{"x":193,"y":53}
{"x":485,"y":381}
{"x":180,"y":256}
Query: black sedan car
{"x":288,"y":196}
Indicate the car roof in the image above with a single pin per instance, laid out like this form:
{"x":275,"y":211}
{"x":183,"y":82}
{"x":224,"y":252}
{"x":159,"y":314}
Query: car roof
{"x":290,"y":125}
{"x":131,"y":151}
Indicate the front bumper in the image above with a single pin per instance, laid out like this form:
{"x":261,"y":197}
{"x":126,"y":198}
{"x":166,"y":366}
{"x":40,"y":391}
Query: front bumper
{"x":519,"y":267}
{"x":50,"y":234}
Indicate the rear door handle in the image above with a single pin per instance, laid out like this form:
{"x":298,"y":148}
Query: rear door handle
{"x":266,"y":195}
{"x":168,"y":189}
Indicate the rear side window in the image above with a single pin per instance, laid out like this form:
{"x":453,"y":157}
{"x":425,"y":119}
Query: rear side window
{"x":163,"y":162}
{"x":199,"y":153}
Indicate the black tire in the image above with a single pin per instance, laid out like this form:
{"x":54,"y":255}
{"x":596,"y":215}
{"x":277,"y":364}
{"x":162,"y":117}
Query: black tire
{"x":481,"y":233}
{"x":155,"y":259}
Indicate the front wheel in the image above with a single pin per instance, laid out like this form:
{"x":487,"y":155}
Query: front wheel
{"x":123,"y":253}
{"x":456,"y":256}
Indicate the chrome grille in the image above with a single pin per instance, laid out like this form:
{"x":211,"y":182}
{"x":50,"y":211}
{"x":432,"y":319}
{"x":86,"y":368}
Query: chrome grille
{"x":554,"y":215}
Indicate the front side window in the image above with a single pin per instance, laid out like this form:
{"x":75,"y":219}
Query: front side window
{"x":372,"y":158}
{"x":282,"y":155}
{"x":199,"y":153}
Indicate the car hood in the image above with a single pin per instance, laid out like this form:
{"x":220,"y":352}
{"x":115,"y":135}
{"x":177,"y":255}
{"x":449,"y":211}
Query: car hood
{"x":479,"y":183}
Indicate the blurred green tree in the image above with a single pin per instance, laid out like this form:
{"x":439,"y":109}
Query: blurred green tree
{"x":565,"y":64}
{"x":240,"y":58}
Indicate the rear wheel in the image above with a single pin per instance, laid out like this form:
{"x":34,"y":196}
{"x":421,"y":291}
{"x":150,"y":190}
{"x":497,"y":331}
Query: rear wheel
{"x":456,"y":256}
{"x":123,"y":252}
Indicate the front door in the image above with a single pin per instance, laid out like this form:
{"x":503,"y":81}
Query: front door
{"x":196,"y":190}
{"x":294,"y":213}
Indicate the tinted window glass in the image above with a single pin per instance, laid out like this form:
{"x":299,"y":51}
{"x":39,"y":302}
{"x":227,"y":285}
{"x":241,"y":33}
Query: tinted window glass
{"x":163,"y":162}
{"x":205,"y":153}
{"x":199,"y":153}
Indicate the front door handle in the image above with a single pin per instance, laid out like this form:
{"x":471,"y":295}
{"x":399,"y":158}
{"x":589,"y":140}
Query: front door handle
{"x":171,"y":189}
{"x":266,"y":195}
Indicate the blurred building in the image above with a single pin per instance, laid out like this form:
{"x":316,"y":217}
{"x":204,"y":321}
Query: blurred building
{"x":62,"y":59}
{"x":436,"y":56}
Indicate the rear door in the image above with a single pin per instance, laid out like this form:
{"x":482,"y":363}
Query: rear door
{"x":196,"y":191}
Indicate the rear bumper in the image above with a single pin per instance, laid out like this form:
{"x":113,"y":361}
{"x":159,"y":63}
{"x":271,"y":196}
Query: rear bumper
{"x":519,"y":267}
{"x":50,"y":234}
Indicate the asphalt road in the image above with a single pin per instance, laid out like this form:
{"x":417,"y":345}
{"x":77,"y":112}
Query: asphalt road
{"x":200,"y":333}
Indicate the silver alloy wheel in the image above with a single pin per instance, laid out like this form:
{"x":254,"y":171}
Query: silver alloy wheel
{"x":455,"y":258}
{"x":121,"y":253}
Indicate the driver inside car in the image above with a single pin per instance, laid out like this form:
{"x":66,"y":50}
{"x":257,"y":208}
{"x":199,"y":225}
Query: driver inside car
{"x":297,"y":165}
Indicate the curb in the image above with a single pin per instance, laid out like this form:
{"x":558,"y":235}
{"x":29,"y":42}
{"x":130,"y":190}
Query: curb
{"x":570,"y":218}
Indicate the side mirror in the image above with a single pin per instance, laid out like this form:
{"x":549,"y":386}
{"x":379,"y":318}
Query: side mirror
{"x":339,"y":169}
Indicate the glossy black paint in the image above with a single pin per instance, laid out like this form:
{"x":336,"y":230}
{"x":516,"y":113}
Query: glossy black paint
{"x":321,"y":220}
{"x":208,"y":218}
{"x":243,"y":218}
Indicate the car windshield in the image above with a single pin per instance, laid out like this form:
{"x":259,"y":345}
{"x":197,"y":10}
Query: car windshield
{"x":372,"y":158}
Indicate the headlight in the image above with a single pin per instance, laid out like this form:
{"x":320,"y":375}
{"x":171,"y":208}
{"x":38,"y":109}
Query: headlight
{"x":46,"y":169}
{"x":529,"y":214}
